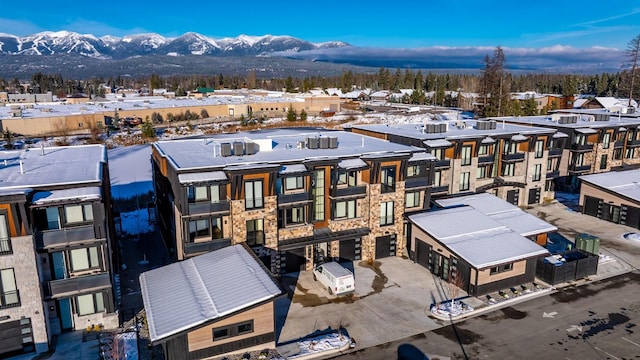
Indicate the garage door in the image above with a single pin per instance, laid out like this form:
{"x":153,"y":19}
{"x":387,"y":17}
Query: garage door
{"x":534,"y":196}
{"x":350,"y":250}
{"x":294,"y":261}
{"x":385,"y":246}
{"x":423,"y":250}
{"x":591,"y":206}
{"x":16,"y":337}
{"x":631,"y":216}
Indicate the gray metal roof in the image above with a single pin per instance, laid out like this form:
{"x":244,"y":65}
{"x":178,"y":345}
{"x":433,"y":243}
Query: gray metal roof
{"x":76,"y":194}
{"x":185,"y":294}
{"x":475,"y":237}
{"x":625,"y":183}
{"x":199,"y":153}
{"x":584,"y":120}
{"x":206,"y":176}
{"x":51,"y":166}
{"x":503,"y":212}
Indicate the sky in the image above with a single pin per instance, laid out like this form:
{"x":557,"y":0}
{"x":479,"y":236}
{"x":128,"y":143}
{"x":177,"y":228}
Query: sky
{"x":461,"y":23}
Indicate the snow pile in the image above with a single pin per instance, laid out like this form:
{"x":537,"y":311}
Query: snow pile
{"x":632,"y":236}
{"x":451,"y":308}
{"x":334,"y":341}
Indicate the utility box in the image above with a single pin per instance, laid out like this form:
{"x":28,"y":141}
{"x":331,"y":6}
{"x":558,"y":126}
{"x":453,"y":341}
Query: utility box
{"x":588,"y":243}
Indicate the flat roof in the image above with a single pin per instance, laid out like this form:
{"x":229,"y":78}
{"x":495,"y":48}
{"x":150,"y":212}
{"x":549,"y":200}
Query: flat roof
{"x":414,"y":131}
{"x":281,"y":147}
{"x":585,"y":120}
{"x":180,"y":296}
{"x":625,"y":183}
{"x":475,"y":237}
{"x":51,"y":166}
{"x":503,"y":212}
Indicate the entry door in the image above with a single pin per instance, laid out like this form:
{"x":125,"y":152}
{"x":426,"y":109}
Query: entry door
{"x":513,"y":196}
{"x":66,"y":315}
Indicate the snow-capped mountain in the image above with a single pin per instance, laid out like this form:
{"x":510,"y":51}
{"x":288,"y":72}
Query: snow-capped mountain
{"x":66,"y":42}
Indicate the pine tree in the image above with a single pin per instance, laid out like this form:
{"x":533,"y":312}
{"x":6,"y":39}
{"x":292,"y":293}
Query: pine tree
{"x":303,"y":115}
{"x":148,"y":130}
{"x":291,"y":114}
{"x":633,"y":61}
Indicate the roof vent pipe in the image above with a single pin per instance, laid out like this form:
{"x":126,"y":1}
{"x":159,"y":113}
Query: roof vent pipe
{"x":21,"y":168}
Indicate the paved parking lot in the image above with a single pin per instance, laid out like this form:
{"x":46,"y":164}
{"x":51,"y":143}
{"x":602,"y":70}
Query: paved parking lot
{"x":392,"y":301}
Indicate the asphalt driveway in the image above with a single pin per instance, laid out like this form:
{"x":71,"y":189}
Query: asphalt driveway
{"x":392,"y":301}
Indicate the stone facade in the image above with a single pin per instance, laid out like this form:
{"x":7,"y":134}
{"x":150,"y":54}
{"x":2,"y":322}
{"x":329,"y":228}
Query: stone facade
{"x":23,"y":263}
{"x":377,"y":198}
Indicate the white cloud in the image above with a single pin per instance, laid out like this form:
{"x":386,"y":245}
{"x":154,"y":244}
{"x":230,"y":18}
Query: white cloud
{"x":18,"y":27}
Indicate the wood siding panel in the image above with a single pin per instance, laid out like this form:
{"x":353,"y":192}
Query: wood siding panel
{"x":11,"y":222}
{"x":485,"y":277}
{"x":263,"y":323}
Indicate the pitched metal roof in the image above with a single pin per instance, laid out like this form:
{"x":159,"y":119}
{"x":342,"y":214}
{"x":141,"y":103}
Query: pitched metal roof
{"x":202,"y":177}
{"x":180,"y":296}
{"x":475,"y":237}
{"x":625,"y":183}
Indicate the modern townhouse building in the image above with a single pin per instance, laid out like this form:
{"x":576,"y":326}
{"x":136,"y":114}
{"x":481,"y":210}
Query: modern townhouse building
{"x":55,"y":254}
{"x":295,"y":196}
{"x":516,"y":163}
{"x":596,"y":141}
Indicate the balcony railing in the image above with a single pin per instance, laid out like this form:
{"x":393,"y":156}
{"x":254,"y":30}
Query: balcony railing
{"x":71,"y":286}
{"x":5,"y":246}
{"x":579,"y":169}
{"x":555,"y":152}
{"x":348,"y":191}
{"x":386,"y":220}
{"x":442,"y":164}
{"x":387,"y":188}
{"x":440,"y":189}
{"x":203,"y":247}
{"x":412,"y":183}
{"x":65,"y":236}
{"x":486,"y":159}
{"x":633,"y":143}
{"x":579,"y":147}
{"x":553,"y":174}
{"x":618,"y":144}
{"x":301,"y":197}
{"x":517,"y":157}
{"x":208,"y":207}
{"x":9,"y":299}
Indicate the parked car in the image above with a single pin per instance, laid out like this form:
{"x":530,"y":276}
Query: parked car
{"x":335,"y":277}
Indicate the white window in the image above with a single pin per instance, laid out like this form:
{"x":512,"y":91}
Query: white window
{"x":412,"y":199}
{"x":90,"y":303}
{"x":537,"y":170}
{"x":8,"y":290}
{"x":253,"y":194}
{"x":539,"y":149}
{"x":464,"y":181}
{"x":466,"y":155}
{"x":5,"y":242}
{"x":84,"y":259}
{"x":345,"y":209}
{"x":294,"y":183}
{"x":386,"y":213}
{"x":78,"y":213}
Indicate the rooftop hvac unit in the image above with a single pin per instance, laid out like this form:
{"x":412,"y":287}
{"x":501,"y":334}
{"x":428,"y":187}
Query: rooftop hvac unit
{"x":312,"y":142}
{"x":225,"y":149}
{"x":15,"y":107}
{"x":602,"y":117}
{"x":238,"y":148}
{"x":492,"y":124}
{"x":324,"y":142}
{"x":333,"y":142}
{"x":301,"y":144}
{"x":481,"y":125}
{"x":250,"y":148}
{"x":631,"y":110}
{"x":443,"y":128}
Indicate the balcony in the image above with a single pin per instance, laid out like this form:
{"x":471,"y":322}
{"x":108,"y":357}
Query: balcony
{"x":553,"y":174}
{"x":322,"y":235}
{"x":351,"y":191}
{"x":9,"y":299}
{"x":618,"y":144}
{"x":512,"y":158}
{"x":67,"y":287}
{"x":442,"y":164}
{"x":208,"y":207}
{"x":440,"y":190}
{"x":295,"y":198}
{"x":191,"y":249}
{"x":486,"y":159}
{"x":68,"y":236}
{"x":554,"y":153}
{"x":582,"y":148}
{"x":414,"y":183}
{"x":633,"y":143}
{"x":574,"y":169}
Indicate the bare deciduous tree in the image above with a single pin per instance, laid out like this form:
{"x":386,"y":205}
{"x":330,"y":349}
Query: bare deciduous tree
{"x":633,"y":59}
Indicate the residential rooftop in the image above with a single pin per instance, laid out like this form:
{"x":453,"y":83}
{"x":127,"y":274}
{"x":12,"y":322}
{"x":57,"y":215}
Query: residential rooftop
{"x":22,"y":170}
{"x":625,"y":183}
{"x":479,"y":239}
{"x":276,"y":146}
{"x":503,"y":212}
{"x":454,"y":129}
{"x":180,"y":296}
{"x":580,"y":119}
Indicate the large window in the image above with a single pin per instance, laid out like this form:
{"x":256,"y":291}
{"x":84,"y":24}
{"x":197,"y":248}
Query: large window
{"x":578,"y":159}
{"x":318,"y":196}
{"x":537,"y":172}
{"x":510,"y":148}
{"x":253,"y":194}
{"x":294,"y":183}
{"x":603,"y":161}
{"x":203,"y":193}
{"x":386,"y":213}
{"x":9,"y":296}
{"x":348,"y":178}
{"x":74,"y":214}
{"x":464,"y":181}
{"x":53,"y":218}
{"x":85,"y":259}
{"x":412,"y":199}
{"x":481,"y":172}
{"x":438,"y":153}
{"x":255,"y":232}
{"x":508,"y":169}
{"x":210,"y":228}
{"x":414,"y":171}
{"x":291,"y":216}
{"x":345,"y":210}
{"x":437,"y":178}
{"x":606,"y":140}
{"x":629,"y":153}
{"x":466,"y":155}
{"x":539,"y":152}
{"x":388,"y":179}
{"x":90,"y":303}
{"x":483,"y":150}
{"x":5,"y":242}
{"x":501,"y":269}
